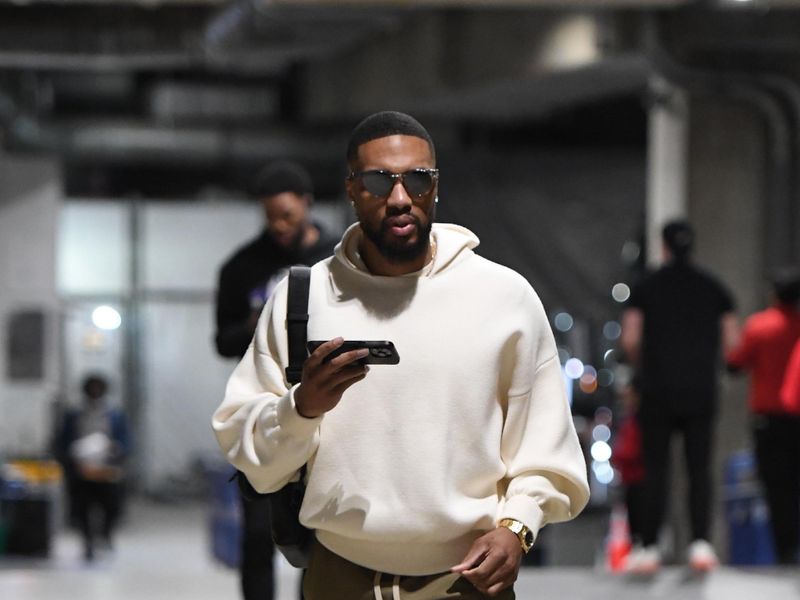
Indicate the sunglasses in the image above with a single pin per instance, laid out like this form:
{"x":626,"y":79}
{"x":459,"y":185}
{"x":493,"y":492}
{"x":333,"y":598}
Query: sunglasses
{"x":379,"y":183}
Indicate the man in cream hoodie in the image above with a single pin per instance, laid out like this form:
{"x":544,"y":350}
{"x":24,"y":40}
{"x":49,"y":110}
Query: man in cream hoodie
{"x":432,"y":476}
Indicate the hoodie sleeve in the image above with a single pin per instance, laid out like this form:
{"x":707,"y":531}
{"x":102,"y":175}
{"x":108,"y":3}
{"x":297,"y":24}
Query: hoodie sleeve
{"x":257,"y":425}
{"x":545,"y":465}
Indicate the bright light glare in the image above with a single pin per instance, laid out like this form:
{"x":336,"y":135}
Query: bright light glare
{"x":603,"y":472}
{"x":603,"y":415}
{"x":601,"y":433}
{"x":601,"y":451}
{"x":620,"y":292}
{"x":564,"y":321}
{"x":612,"y":330}
{"x":573,"y":368}
{"x":105,"y":317}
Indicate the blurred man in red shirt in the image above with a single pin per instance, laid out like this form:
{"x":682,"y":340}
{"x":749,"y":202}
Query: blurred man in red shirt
{"x":790,"y":392}
{"x":764,"y":350}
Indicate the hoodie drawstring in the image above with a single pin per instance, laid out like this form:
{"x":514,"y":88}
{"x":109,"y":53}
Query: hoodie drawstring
{"x":376,"y":586}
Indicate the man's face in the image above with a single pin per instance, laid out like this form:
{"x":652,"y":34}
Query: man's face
{"x":286,"y":214}
{"x":398,"y":225}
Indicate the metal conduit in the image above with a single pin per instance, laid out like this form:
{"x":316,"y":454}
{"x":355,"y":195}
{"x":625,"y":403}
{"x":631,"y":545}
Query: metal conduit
{"x":782,"y":135}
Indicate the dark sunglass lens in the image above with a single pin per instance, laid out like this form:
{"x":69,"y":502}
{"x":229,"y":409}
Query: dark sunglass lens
{"x":377,"y":183}
{"x":417,"y":183}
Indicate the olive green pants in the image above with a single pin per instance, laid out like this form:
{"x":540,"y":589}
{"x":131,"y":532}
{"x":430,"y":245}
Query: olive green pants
{"x":331,"y":577}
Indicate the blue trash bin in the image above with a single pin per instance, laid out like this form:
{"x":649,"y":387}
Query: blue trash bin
{"x":747,"y":513}
{"x":225,"y":519}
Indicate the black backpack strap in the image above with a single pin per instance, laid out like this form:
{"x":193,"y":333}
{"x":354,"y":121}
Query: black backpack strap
{"x":297,"y":321}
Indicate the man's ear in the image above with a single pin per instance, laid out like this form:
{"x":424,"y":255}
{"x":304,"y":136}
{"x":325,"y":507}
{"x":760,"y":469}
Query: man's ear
{"x":309,"y":198}
{"x":348,"y":188}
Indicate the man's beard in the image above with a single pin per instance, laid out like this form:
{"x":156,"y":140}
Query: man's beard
{"x":400,"y":253}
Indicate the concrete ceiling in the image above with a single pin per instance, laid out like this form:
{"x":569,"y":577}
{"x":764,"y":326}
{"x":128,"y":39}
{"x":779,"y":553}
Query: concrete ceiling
{"x":210,"y":82}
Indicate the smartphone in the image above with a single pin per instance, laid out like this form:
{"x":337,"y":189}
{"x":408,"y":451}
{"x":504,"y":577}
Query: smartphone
{"x":381,"y":352}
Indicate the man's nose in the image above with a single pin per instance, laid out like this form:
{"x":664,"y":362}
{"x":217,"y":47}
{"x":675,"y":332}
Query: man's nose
{"x":398,"y":197}
{"x":280,"y":226}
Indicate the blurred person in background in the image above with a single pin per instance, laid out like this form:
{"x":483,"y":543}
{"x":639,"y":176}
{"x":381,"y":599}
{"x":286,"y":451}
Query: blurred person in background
{"x":429,"y":478}
{"x":790,"y":390}
{"x":672,"y":328}
{"x":246,"y":281}
{"x":93,"y":445}
{"x":768,"y":338}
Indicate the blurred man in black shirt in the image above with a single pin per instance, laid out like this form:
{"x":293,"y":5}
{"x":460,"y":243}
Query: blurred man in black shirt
{"x":673,"y":326}
{"x":246,"y":281}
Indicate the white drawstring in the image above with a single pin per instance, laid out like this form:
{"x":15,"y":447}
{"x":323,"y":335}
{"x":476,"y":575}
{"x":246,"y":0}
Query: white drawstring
{"x":376,"y":586}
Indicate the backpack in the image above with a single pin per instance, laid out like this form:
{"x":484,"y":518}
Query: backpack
{"x":292,"y":539}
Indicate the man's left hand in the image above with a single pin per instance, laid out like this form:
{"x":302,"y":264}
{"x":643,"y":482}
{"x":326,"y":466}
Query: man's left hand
{"x":492,"y":563}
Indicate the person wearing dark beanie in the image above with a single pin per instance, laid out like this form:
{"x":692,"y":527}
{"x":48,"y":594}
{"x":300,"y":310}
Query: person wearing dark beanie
{"x":674,"y":326}
{"x":246,"y":281}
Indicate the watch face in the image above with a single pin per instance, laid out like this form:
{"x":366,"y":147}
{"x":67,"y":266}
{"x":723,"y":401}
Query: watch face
{"x":529,"y":538}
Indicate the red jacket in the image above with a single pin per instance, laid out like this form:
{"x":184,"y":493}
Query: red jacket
{"x":627,"y":455}
{"x":767,"y":341}
{"x":790,"y":392}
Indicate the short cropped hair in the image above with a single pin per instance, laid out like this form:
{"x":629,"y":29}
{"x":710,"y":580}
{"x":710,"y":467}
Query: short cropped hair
{"x":679,"y":238}
{"x":94,"y":385}
{"x":383,"y":124}
{"x":282,"y":176}
{"x":786,"y":283}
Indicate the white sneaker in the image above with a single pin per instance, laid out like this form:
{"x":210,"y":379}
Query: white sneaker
{"x":702,"y":556}
{"x":643,"y":561}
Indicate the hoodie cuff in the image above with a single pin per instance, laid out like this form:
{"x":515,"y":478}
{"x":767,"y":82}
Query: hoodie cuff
{"x":291,"y":421}
{"x":524,"y":509}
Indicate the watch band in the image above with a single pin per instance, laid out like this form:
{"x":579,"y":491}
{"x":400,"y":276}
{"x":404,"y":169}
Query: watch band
{"x":523,"y":533}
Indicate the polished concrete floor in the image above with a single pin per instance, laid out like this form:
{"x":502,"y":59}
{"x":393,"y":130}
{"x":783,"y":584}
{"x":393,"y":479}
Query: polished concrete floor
{"x":162,"y":553}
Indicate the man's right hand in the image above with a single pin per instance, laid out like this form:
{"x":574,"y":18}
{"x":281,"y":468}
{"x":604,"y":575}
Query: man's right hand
{"x":324,"y":382}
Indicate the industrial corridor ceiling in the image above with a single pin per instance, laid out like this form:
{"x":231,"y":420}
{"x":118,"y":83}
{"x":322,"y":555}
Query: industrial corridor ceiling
{"x":224,"y":86}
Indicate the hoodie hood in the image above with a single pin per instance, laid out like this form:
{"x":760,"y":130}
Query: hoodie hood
{"x":453,"y":243}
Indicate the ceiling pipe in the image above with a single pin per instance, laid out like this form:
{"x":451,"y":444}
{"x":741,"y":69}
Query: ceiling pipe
{"x":781,"y":184}
{"x":790,"y":91}
{"x":132,"y":143}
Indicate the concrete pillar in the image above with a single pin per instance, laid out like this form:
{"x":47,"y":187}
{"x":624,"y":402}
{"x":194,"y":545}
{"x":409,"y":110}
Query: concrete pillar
{"x":727,"y":205}
{"x":667,"y":162}
{"x":29,"y":206}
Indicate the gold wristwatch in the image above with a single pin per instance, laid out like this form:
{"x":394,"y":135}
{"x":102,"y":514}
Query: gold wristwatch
{"x":519,"y":529}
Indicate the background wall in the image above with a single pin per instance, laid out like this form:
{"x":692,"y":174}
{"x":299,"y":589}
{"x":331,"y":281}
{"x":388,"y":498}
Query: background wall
{"x":156,"y":263}
{"x":29,"y":206}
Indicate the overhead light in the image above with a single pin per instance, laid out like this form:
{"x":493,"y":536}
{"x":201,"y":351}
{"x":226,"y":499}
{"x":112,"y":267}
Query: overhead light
{"x":106,"y":317}
{"x":735,"y":2}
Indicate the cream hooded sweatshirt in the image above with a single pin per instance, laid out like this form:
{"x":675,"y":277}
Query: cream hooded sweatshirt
{"x":421,"y":458}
